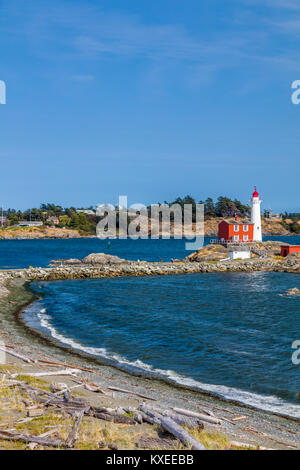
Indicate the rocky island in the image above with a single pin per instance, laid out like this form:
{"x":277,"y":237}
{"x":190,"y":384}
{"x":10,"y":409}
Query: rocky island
{"x":265,"y":256}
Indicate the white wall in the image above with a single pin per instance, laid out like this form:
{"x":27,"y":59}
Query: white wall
{"x":239,"y":254}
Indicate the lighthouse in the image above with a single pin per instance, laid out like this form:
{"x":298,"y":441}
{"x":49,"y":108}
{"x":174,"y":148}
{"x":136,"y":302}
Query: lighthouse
{"x":256,"y":217}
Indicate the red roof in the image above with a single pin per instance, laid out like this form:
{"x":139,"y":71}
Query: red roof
{"x":255,"y":194}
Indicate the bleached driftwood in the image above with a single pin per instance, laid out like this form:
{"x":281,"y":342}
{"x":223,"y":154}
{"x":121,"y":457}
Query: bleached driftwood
{"x":193,"y":414}
{"x":54,"y":363}
{"x":169,"y":425}
{"x":18,"y":356}
{"x":193,"y":423}
{"x":249,"y":446}
{"x":9,"y":436}
{"x":73,"y":436}
{"x":130,"y":392}
{"x":57,"y":387}
{"x":109,"y":414}
{"x":11,"y":383}
{"x":50,"y":432}
{"x":68,"y":389}
{"x":173,"y":428}
{"x":39,"y":391}
{"x":50,"y":373}
{"x":94,"y":388}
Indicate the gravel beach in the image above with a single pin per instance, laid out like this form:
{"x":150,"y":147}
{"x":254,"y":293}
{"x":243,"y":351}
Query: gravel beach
{"x":252,"y":428}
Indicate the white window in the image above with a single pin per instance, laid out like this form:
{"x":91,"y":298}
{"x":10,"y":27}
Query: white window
{"x":245,"y":228}
{"x":236,"y":238}
{"x":236,"y":228}
{"x":245,"y":238}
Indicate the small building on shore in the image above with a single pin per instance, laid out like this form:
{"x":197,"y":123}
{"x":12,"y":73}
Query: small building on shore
{"x":53,"y":220}
{"x":31,"y":223}
{"x":239,"y":252}
{"x":289,"y":249}
{"x":3,"y":221}
{"x":236,"y":231}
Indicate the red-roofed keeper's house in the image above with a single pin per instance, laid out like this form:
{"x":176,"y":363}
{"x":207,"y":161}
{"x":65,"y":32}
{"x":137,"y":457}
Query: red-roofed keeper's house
{"x":239,"y":232}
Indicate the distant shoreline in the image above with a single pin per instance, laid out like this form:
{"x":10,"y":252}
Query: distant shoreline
{"x":270,"y":227}
{"x":81,"y":237}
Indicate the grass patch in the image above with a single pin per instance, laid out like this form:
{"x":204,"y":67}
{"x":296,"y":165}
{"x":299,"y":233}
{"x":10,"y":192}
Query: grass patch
{"x":7,"y":368}
{"x":5,"y":392}
{"x":96,"y":431}
{"x":12,"y":445}
{"x":38,"y":425}
{"x":34,"y":381}
{"x":212,"y":440}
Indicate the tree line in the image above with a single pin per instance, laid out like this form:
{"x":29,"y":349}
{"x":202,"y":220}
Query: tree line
{"x":86,"y":223}
{"x":222,"y":207}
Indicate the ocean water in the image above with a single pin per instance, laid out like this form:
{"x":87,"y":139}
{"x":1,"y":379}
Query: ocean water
{"x":229,"y":334}
{"x":25,"y":253}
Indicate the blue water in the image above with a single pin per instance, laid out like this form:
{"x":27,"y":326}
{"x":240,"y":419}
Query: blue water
{"x":25,"y":253}
{"x":228,"y":333}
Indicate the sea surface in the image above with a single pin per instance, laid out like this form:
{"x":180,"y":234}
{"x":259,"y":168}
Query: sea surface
{"x":25,"y":253}
{"x":229,"y":334}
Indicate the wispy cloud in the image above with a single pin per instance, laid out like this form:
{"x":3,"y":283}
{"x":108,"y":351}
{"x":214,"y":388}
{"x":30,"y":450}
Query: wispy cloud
{"x":82,"y":32}
{"x":92,"y":31}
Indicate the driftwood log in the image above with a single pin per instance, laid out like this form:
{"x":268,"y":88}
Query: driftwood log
{"x":121,"y":390}
{"x":193,"y":414}
{"x":50,"y":373}
{"x":18,"y":356}
{"x":108,"y":414}
{"x":173,"y":428}
{"x":94,"y":388}
{"x":53,"y":363}
{"x":9,"y":436}
{"x":74,"y":433}
{"x":193,"y":423}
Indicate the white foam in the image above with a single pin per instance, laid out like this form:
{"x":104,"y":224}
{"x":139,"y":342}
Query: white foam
{"x":268,"y":403}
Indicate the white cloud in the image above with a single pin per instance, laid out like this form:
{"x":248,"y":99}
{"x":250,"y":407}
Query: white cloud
{"x":80,"y":33}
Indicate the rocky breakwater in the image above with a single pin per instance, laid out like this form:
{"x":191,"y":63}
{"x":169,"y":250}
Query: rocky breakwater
{"x":127,"y":268}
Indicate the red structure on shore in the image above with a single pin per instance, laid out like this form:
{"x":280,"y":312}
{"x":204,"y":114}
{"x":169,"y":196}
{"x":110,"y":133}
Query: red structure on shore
{"x":289,"y":249}
{"x":239,"y":232}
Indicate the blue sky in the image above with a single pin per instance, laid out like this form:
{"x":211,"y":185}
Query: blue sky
{"x":150,"y":100}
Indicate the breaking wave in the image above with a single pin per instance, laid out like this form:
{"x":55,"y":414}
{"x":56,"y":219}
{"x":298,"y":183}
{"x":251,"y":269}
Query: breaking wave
{"x":269,"y":403}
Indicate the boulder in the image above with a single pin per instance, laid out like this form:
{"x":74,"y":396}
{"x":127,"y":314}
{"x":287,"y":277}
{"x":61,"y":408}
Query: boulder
{"x":293,"y":291}
{"x":102,"y":258}
{"x":72,"y":261}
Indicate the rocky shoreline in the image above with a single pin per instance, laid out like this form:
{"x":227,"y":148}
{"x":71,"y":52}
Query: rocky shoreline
{"x":289,"y":264}
{"x":253,"y":427}
{"x":242,"y":426}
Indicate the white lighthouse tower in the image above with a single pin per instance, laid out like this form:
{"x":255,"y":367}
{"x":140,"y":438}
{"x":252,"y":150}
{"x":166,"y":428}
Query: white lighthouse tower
{"x":256,"y":217}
